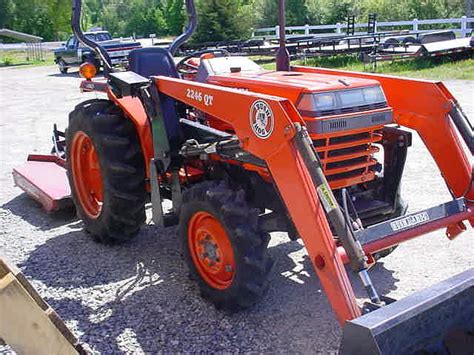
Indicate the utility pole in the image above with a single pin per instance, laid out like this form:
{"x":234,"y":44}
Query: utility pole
{"x":468,"y":11}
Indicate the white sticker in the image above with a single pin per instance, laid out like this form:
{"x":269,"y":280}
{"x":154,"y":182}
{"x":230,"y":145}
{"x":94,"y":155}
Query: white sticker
{"x":410,"y":221}
{"x":261,"y":119}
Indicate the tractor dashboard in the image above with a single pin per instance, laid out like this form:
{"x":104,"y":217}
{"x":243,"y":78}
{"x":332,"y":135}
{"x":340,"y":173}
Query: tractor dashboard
{"x":226,"y":65}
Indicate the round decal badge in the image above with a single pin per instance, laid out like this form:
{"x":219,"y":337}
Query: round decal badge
{"x":261,"y":119}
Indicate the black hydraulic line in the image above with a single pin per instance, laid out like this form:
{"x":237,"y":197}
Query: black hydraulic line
{"x":353,"y":248}
{"x":190,"y":28}
{"x":76,"y":29}
{"x":463,"y":125}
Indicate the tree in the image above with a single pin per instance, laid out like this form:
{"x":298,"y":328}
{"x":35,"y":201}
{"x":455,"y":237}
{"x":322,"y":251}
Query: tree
{"x":6,"y":13}
{"x":59,"y":12}
{"x":145,"y":17}
{"x":223,"y":20}
{"x":174,"y":16}
{"x":219,"y":20}
{"x":296,"y":12}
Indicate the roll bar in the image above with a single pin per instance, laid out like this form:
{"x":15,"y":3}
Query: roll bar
{"x":76,"y":29}
{"x":190,"y":28}
{"x":178,"y":42}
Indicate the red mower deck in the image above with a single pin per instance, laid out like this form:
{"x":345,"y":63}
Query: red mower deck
{"x":44,"y":178}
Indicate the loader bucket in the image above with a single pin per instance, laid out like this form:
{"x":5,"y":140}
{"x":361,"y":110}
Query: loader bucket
{"x":437,"y":320}
{"x":43,"y":177}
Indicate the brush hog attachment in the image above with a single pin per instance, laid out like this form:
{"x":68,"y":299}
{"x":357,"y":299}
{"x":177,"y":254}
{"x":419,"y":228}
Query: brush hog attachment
{"x":43,"y":177}
{"x":437,"y":320}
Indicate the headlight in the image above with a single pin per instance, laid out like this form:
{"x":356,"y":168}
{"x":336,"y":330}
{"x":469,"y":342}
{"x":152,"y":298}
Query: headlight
{"x":326,"y":101}
{"x":351,"y":98}
{"x":374,"y":95}
{"x":314,"y":104}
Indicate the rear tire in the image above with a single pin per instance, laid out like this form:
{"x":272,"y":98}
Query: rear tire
{"x":216,"y":220}
{"x":106,"y":171}
{"x":63,"y":68}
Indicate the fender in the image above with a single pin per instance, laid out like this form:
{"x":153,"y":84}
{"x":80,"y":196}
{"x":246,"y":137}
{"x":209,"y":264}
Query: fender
{"x":134,"y":111}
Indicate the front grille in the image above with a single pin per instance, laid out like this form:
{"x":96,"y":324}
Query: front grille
{"x":349,"y":159}
{"x":351,"y":123}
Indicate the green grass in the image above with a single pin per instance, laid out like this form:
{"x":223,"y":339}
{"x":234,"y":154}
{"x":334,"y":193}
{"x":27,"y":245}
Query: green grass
{"x":11,"y":58}
{"x":427,"y":68}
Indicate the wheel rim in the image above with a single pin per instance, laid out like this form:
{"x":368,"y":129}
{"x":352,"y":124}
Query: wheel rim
{"x":61,"y":65}
{"x":211,"y":250}
{"x":86,"y":174}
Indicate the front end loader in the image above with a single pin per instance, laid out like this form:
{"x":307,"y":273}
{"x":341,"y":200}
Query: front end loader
{"x":242,"y":152}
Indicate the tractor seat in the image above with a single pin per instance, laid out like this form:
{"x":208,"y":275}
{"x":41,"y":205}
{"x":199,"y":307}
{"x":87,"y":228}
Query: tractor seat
{"x":152,"y":61}
{"x":156,"y":61}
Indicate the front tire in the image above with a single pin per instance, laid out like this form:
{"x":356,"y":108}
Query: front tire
{"x":106,"y":171}
{"x":223,"y":247}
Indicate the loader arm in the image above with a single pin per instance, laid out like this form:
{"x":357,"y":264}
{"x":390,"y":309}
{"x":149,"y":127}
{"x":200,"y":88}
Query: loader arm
{"x":425,"y":106}
{"x":294,"y":175}
{"x":288,"y":171}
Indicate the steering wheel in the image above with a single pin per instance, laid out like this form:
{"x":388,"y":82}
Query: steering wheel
{"x":184,"y":67}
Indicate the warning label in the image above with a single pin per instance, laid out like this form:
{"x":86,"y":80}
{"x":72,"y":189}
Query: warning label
{"x":326,"y":197}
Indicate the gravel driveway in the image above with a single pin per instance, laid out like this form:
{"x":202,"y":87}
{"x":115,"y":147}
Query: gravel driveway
{"x":137,"y":297}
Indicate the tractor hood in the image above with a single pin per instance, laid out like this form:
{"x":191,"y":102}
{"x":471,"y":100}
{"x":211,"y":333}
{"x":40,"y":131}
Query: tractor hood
{"x":288,"y":84}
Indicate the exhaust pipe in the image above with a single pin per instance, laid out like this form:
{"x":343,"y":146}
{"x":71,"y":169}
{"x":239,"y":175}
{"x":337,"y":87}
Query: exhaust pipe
{"x":282,"y":55}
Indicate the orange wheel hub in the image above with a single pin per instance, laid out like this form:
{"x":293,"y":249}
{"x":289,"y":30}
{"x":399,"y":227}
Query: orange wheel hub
{"x":211,"y":250}
{"x":86,"y":174}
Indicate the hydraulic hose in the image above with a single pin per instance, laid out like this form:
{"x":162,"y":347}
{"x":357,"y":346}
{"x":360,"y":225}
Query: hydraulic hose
{"x":357,"y":258}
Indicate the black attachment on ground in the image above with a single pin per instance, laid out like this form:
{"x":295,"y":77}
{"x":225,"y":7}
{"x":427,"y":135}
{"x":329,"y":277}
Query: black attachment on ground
{"x":437,"y":320}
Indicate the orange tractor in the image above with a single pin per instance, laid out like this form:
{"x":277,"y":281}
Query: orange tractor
{"x":242,"y":152}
